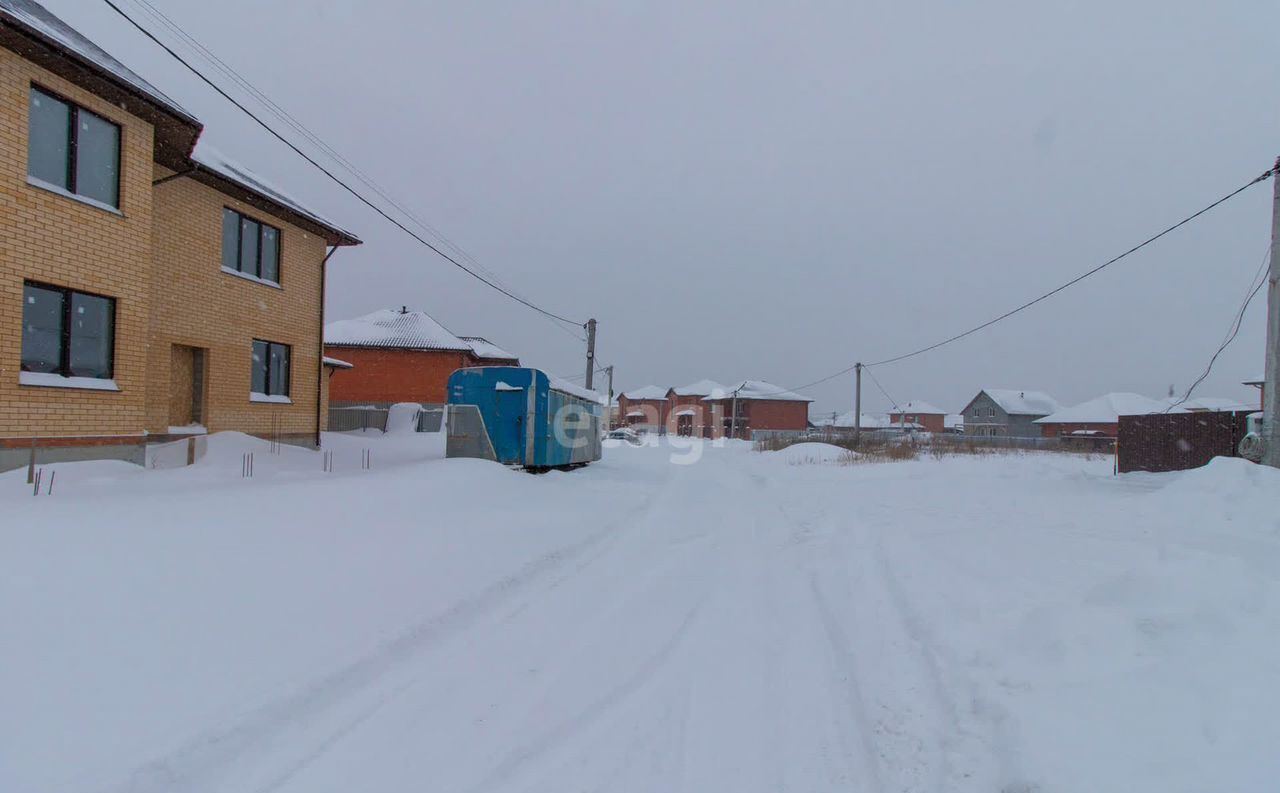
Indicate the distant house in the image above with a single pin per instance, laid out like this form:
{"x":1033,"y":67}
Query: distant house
{"x":402,"y":356}
{"x":922,"y":415}
{"x":1099,"y":416}
{"x":1007,"y":412}
{"x":844,"y":421}
{"x":955,"y":423}
{"x":762,"y":409}
{"x":688,"y":414}
{"x":643,"y":408}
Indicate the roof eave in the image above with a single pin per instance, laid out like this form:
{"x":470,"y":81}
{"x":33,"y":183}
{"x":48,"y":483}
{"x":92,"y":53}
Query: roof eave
{"x":176,"y":130}
{"x":332,"y":235}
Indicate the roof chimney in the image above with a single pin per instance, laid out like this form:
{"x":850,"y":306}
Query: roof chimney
{"x":404,"y":309}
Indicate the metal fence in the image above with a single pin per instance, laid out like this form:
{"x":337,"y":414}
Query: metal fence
{"x":1178,"y":441}
{"x":363,"y":418}
{"x":431,"y":418}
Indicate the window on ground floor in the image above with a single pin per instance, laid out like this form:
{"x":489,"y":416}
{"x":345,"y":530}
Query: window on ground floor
{"x":66,"y":332}
{"x":270,"y":368}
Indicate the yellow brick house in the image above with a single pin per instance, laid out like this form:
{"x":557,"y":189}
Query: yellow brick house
{"x":149,"y":288}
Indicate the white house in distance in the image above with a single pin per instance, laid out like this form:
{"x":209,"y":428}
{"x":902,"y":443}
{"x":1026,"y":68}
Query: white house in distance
{"x":1099,"y":416}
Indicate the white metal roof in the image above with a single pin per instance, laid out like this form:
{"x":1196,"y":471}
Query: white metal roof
{"x":388,"y":327}
{"x":919,"y":407}
{"x":700,"y":388}
{"x":646,"y":392}
{"x":1106,"y":409}
{"x":483,"y":348}
{"x":759,"y":389}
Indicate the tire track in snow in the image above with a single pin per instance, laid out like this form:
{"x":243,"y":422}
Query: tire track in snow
{"x":598,"y":709}
{"x":847,"y":668}
{"x":203,"y":763}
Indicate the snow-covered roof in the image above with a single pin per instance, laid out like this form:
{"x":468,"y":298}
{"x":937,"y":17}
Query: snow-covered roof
{"x":920,"y":407}
{"x":576,"y":390}
{"x":336,"y":363}
{"x":687,"y":410}
{"x":954,"y":420}
{"x":759,"y":389}
{"x":1016,"y":402}
{"x":483,"y":348}
{"x":1106,"y":409}
{"x":646,"y":392}
{"x":845,"y":420}
{"x":635,"y":414}
{"x":211,"y":159}
{"x":36,"y":19}
{"x":1210,"y":404}
{"x":388,"y":327}
{"x":700,"y":388}
{"x":1259,"y":380}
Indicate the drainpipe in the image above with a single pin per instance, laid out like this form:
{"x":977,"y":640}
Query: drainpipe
{"x":320,"y":362}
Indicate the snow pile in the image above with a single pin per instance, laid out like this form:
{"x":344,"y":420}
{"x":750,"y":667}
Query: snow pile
{"x":811,"y":453}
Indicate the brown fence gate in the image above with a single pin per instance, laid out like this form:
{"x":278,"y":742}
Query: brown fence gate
{"x":1177,"y":441}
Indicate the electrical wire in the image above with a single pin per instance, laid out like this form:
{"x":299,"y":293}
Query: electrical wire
{"x":283,"y":115}
{"x":1265,"y":175}
{"x":1231,"y":336}
{"x":437,"y":250}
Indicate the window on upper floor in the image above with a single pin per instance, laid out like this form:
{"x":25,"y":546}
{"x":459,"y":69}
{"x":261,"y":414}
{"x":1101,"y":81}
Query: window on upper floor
{"x":72,"y":149}
{"x":66,"y":332}
{"x":270,"y":369}
{"x":250,"y":246}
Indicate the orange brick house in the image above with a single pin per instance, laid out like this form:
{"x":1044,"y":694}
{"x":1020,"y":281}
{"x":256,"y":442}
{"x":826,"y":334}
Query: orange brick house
{"x":400,"y":355}
{"x":754,"y":409}
{"x":147,"y":289}
{"x":687,"y":412}
{"x":922,"y":415}
{"x":644,"y":408}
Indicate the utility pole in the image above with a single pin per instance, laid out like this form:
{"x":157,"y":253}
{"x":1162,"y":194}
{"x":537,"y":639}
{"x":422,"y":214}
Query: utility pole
{"x":857,"y":402}
{"x":1271,"y":384}
{"x":733,"y":419}
{"x":591,"y":351}
{"x":609,"y":371}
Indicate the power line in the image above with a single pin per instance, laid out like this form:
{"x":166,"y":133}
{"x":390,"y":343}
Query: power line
{"x":282,"y":114}
{"x":1261,"y":178}
{"x":1231,"y":334}
{"x":1265,"y":175}
{"x":892,"y":401}
{"x":473,"y":273}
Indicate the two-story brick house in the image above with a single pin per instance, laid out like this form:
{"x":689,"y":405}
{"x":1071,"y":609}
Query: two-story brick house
{"x":146,"y":289}
{"x":644,"y":408}
{"x":687,"y":412}
{"x":754,"y":409}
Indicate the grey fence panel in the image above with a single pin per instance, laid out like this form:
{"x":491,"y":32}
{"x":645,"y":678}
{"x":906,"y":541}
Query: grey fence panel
{"x":467,"y":436}
{"x":350,"y":419}
{"x":431,"y":419}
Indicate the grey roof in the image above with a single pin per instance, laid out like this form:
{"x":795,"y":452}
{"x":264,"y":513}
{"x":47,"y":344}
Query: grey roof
{"x":36,"y":20}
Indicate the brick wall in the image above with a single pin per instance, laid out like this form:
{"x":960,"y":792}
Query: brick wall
{"x":655,"y":411}
{"x":198,"y":305}
{"x":931,"y":422}
{"x":705,"y":420}
{"x":382,"y":375}
{"x":61,"y":241}
{"x":772,"y":414}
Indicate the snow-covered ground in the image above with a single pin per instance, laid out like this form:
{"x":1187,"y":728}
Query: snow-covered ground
{"x":751,"y":622}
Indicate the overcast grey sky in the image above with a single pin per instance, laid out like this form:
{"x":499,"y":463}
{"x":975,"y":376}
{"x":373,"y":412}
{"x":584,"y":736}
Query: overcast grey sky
{"x":775,"y":190}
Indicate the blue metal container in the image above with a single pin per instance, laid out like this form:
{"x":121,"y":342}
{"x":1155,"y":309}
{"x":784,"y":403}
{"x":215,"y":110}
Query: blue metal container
{"x":520,"y":416}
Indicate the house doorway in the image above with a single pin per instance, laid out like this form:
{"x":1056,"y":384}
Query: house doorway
{"x":684,"y":424}
{"x":187,"y":378}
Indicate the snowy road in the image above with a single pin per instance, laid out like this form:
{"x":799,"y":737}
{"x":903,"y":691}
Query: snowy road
{"x":1005,"y":625}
